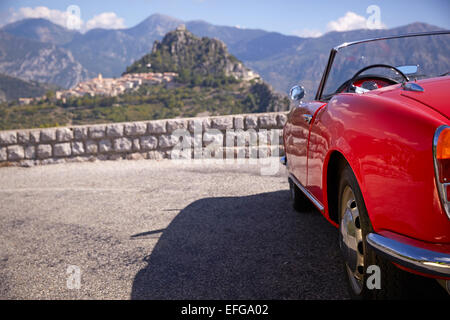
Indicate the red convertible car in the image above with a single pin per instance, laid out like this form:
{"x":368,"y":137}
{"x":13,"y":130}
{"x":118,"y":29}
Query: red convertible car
{"x":372,"y":153}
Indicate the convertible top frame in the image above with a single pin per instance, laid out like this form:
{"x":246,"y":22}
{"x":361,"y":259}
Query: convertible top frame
{"x":335,"y":50}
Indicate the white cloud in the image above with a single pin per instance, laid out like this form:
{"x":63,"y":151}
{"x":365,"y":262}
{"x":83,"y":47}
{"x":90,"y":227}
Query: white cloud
{"x":67,"y":19}
{"x":351,"y":21}
{"x":106,"y":20}
{"x":55,"y":16}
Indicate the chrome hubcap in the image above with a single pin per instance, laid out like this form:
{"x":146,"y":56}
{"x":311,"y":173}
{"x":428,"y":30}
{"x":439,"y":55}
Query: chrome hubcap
{"x":351,"y":239}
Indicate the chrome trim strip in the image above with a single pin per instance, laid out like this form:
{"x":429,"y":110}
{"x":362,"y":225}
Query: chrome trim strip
{"x":422,"y":260}
{"x":307,"y":193}
{"x":407,"y":35}
{"x":325,"y":74}
{"x":440,"y":186}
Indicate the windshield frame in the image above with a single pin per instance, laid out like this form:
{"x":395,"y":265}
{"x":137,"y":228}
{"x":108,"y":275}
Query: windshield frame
{"x":335,"y":50}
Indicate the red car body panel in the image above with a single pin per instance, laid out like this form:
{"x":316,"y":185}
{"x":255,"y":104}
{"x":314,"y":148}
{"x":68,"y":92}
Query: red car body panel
{"x":386,"y":137}
{"x":298,"y":137}
{"x":436,"y":95}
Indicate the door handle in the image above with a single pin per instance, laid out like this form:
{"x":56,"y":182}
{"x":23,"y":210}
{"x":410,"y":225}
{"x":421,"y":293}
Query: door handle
{"x":307,"y":118}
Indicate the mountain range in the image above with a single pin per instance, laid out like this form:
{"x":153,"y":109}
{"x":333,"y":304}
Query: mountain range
{"x":38,"y":50}
{"x":13,"y":88}
{"x":183,"y":76}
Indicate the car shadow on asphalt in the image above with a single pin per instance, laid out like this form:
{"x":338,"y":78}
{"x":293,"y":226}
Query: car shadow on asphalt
{"x":251,"y":247}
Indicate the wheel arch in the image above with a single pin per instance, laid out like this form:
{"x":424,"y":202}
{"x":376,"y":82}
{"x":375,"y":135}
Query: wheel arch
{"x":336,"y":162}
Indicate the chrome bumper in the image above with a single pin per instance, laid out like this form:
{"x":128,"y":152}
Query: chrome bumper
{"x":415,"y":258}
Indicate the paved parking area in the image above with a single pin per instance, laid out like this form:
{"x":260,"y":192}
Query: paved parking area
{"x":161,"y":230}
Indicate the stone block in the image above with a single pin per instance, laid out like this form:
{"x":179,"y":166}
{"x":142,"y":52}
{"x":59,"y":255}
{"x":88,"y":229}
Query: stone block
{"x":8,"y":137}
{"x":222,"y":123}
{"x":123,"y":145}
{"x":62,"y":150}
{"x":64,"y":134}
{"x":97,"y":132}
{"x":198,"y":125}
{"x":167,"y":141}
{"x":35,"y":137}
{"x":15,"y":153}
{"x":23,"y":137}
{"x":136,"y":145}
{"x":30,"y":152}
{"x":3,"y":154}
{"x":156,"y":127}
{"x":251,"y":122}
{"x":48,"y":135}
{"x":239,"y":123}
{"x":281,"y":120}
{"x":91,"y":147}
{"x":80,"y":133}
{"x":114,"y":130}
{"x":44,"y":151}
{"x":176,"y":124}
{"x":268,"y":121}
{"x":77,"y":148}
{"x":135,"y":128}
{"x":105,"y":146}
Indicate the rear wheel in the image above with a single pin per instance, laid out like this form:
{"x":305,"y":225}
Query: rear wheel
{"x":351,"y":240}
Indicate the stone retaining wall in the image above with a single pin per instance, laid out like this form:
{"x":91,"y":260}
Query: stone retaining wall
{"x":238,"y":136}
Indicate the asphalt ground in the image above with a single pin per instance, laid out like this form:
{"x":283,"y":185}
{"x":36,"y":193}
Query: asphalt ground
{"x":161,"y":230}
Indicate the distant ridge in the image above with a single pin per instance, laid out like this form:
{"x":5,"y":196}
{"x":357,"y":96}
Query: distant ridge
{"x":40,"y":30}
{"x":281,"y":60}
{"x":32,"y":60}
{"x":13,"y":88}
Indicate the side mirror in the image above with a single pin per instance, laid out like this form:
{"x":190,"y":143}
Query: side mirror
{"x":297,"y":93}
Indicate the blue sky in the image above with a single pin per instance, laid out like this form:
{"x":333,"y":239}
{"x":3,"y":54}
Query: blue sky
{"x":285,"y":16}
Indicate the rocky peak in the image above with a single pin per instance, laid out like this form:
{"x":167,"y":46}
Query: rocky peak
{"x":180,"y":49}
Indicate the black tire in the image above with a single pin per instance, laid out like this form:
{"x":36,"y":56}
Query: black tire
{"x":393,"y":281}
{"x":299,"y":201}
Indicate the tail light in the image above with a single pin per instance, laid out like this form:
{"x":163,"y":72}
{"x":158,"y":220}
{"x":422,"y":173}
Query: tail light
{"x":441,"y":153}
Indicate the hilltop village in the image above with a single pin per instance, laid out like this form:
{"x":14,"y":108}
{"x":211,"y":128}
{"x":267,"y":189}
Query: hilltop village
{"x":109,"y":87}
